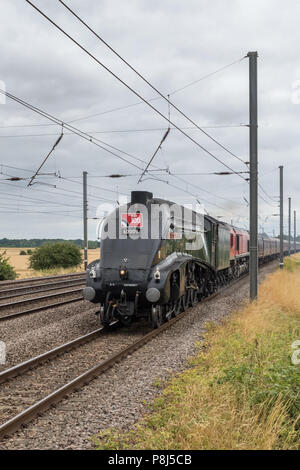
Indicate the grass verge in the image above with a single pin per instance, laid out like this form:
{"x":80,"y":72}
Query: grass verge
{"x":241,"y":390}
{"x":52,"y":272}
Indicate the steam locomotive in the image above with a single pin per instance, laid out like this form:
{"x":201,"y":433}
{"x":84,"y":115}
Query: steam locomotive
{"x":158,"y":259}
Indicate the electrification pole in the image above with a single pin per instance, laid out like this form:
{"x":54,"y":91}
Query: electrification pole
{"x":85,"y":229}
{"x":281,"y":216}
{"x":289,"y":226}
{"x":295,"y":217}
{"x":253,"y":262}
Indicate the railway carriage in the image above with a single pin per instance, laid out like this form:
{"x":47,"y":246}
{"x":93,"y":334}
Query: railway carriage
{"x":158,"y":258}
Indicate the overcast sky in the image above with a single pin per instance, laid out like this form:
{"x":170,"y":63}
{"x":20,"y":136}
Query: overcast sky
{"x":172,"y":43}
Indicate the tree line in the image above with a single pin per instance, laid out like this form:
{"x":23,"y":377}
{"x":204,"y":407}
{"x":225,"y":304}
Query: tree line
{"x":36,"y":242}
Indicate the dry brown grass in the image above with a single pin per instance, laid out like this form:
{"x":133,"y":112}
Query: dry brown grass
{"x":241,"y":391}
{"x":21,"y":263}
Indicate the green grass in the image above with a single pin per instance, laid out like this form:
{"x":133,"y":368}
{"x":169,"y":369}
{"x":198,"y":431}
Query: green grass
{"x":240,"y":391}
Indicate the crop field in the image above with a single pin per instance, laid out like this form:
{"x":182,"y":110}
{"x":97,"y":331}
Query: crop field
{"x":21,"y":263}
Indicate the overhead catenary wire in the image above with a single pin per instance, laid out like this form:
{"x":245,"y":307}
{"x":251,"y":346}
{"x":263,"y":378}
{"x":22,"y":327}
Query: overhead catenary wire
{"x":153,"y":156}
{"x":263,"y":190}
{"x":132,"y":90}
{"x":170,"y":184}
{"x":204,"y":77}
{"x":215,"y":173}
{"x":142,"y":77}
{"x":27,"y":207}
{"x":177,"y":175}
{"x":166,"y":182}
{"x":180,"y":188}
{"x":15,"y":168}
{"x":120,"y":108}
{"x":81,"y":133}
{"x":120,"y":131}
{"x":159,"y":146}
{"x":175,"y":187}
{"x":76,"y":131}
{"x":7,"y":201}
{"x":45,"y":159}
{"x":39,"y":212}
{"x":187,"y":136}
{"x":66,"y":191}
{"x":34,"y":200}
{"x":157,"y":179}
{"x":84,"y":117}
{"x":112,"y":175}
{"x":166,"y":98}
{"x":92,"y":186}
{"x":163,"y":170}
{"x":76,"y":193}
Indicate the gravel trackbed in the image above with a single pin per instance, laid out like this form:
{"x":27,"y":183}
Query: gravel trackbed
{"x":116,"y":398}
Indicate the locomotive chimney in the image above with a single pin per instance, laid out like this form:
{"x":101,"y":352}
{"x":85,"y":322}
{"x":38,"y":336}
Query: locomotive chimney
{"x":141,"y":197}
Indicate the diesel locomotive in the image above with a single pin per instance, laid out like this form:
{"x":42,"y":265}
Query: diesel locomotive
{"x":158,"y":258}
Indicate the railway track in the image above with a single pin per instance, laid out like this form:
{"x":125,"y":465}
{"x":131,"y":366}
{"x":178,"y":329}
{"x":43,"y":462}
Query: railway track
{"x":45,"y":287}
{"x":37,"y":280}
{"x":84,"y":378}
{"x":19,"y":303}
{"x":23,"y":367}
{"x":56,"y":283}
{"x":10,"y":316}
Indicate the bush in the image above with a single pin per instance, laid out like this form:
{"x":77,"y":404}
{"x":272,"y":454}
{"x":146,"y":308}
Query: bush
{"x":22,"y":252}
{"x":55,"y":255}
{"x":29,"y":252}
{"x":7,"y":272}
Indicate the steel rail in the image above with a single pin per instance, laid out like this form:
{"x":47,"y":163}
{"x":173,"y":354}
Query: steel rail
{"x":42,"y":278}
{"x":23,"y":367}
{"x":38,"y":309}
{"x":20,"y":290}
{"x":45,"y":403}
{"x":35,"y":299}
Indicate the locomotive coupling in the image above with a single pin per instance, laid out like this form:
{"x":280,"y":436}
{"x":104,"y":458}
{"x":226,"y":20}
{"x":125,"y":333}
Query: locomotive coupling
{"x":152,"y":295}
{"x":88,"y":293}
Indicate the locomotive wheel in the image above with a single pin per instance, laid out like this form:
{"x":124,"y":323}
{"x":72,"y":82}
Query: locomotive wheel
{"x":184,"y":303}
{"x":186,"y":299}
{"x":168,"y":312}
{"x":177,"y":307}
{"x":194,"y":297}
{"x":107,"y":310}
{"x":156,"y":316}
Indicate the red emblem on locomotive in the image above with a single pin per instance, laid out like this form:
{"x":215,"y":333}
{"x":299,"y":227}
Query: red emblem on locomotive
{"x":132,"y":220}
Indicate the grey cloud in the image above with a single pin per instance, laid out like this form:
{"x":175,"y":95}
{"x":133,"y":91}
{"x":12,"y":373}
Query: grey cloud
{"x":172,"y":43}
